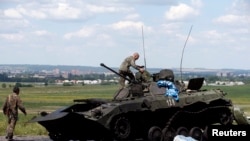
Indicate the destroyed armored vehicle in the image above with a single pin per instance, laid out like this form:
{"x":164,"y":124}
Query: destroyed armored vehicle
{"x":142,"y":111}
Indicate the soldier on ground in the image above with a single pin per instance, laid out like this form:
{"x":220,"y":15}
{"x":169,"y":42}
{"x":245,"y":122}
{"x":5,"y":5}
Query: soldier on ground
{"x":125,"y":71}
{"x":10,"y":109}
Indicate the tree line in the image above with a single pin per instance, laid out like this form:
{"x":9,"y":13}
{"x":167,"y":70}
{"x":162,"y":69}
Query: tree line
{"x":95,"y":76}
{"x":5,"y":78}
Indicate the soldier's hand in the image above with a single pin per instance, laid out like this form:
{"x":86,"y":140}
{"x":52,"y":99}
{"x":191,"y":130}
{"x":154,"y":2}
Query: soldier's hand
{"x":141,"y":70}
{"x":140,"y":66}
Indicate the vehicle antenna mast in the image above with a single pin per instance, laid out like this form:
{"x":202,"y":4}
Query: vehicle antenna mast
{"x":143,"y":49}
{"x":183,"y":50}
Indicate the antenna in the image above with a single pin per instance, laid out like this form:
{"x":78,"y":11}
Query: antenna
{"x":183,"y":50}
{"x":143,"y":49}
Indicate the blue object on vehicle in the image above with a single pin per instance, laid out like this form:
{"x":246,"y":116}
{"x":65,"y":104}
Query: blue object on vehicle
{"x":183,"y":138}
{"x":171,"y":90}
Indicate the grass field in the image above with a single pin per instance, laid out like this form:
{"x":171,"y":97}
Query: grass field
{"x":50,"y":98}
{"x":240,"y":95}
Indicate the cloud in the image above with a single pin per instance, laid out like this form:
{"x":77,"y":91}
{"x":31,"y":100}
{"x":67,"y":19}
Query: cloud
{"x":82,"y":33}
{"x":180,"y":12}
{"x":12,"y":13}
{"x":214,"y":35}
{"x":13,"y":25}
{"x":127,"y":25}
{"x":197,"y":3}
{"x":107,"y":9}
{"x":237,"y":15}
{"x":132,"y":16}
{"x":12,"y":37}
{"x":233,"y":19}
{"x":240,"y":7}
{"x":32,"y":12}
{"x":41,"y":32}
{"x":64,"y":11}
{"x":49,"y":10}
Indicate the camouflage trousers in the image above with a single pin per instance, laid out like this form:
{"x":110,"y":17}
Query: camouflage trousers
{"x":125,"y":74}
{"x":10,"y":127}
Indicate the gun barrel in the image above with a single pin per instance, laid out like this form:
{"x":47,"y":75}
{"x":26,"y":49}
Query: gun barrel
{"x":103,"y":65}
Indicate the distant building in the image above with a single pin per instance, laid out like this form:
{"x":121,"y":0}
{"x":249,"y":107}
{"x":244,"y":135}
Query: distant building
{"x":224,"y":74}
{"x":228,"y":83}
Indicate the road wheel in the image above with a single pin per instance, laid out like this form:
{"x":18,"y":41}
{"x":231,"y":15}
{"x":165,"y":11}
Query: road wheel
{"x":226,"y":118}
{"x":122,"y":128}
{"x":154,"y":133}
{"x":196,"y":133}
{"x":182,"y":131}
{"x":168,"y":134}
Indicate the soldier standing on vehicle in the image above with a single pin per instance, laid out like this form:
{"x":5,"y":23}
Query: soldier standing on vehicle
{"x":125,"y":71}
{"x":10,"y":109}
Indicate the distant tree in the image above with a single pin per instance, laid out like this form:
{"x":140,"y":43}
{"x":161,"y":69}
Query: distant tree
{"x":82,"y":83}
{"x":4,"y":77}
{"x":70,"y":76}
{"x":67,"y":84}
{"x":102,"y":76}
{"x":212,"y":79}
{"x":18,"y":84}
{"x":4,"y":85}
{"x":27,"y":85}
{"x":46,"y":83}
{"x":61,"y":77}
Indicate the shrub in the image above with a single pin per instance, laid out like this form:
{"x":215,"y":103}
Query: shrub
{"x":67,"y":84}
{"x":4,"y":85}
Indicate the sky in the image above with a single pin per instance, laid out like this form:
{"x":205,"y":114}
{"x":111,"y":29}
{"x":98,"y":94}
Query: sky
{"x":208,"y":34}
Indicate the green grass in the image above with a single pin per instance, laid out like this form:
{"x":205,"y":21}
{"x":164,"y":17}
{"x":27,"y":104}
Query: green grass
{"x":238,"y":94}
{"x":50,"y":98}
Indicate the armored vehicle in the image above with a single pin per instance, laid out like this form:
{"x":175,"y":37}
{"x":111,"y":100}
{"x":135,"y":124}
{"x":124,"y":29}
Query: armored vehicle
{"x":142,"y":111}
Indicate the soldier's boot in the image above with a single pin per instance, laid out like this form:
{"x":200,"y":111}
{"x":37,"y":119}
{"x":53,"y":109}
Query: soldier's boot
{"x":9,"y":137}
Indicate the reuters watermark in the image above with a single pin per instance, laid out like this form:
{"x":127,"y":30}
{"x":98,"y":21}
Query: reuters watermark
{"x":221,"y":132}
{"x":231,"y":133}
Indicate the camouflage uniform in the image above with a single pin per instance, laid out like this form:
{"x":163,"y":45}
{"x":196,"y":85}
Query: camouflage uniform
{"x":125,"y":71}
{"x":10,"y":109}
{"x":144,"y":76}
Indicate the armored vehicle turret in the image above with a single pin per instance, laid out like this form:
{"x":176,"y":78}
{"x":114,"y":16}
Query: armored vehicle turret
{"x":142,"y":110}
